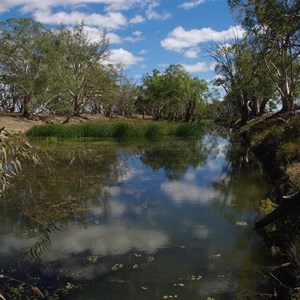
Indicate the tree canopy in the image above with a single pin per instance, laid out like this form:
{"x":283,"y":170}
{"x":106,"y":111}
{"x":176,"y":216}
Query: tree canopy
{"x":173,"y":94}
{"x":273,"y":31}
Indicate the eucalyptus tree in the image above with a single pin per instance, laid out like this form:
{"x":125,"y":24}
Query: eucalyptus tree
{"x":273,"y":28}
{"x":78,"y":69}
{"x":127,"y":93}
{"x":154,"y":91}
{"x":193,"y":92}
{"x":174,"y":94}
{"x":245,"y":80}
{"x":26,"y":49}
{"x":175,"y":79}
{"x":105,"y":97}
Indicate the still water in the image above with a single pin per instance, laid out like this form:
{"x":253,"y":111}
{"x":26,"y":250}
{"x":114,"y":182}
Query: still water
{"x":167,"y":219}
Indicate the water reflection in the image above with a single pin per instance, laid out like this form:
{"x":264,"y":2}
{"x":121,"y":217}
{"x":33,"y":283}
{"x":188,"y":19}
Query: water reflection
{"x":189,"y":192}
{"x":151,"y":215}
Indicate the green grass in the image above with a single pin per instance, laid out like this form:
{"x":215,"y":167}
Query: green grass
{"x":117,"y":129}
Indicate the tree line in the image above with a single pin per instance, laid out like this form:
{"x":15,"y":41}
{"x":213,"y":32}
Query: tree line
{"x":54,"y":71}
{"x":62,"y":71}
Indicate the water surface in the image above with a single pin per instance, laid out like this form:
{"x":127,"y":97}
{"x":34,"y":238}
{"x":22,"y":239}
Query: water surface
{"x":147,"y":220}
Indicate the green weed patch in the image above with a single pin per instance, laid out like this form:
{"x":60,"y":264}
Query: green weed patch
{"x":117,"y":129}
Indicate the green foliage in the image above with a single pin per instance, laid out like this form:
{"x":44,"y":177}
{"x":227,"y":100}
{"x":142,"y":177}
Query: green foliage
{"x":153,"y":131}
{"x":20,"y":291}
{"x":13,"y":149}
{"x":245,"y":80}
{"x":273,"y":28}
{"x":26,"y":53}
{"x":77,"y":72}
{"x":173,"y":95}
{"x":187,"y":130}
{"x":118,"y":130}
{"x":267,"y":206}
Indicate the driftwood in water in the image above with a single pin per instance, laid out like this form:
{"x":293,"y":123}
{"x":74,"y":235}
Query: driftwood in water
{"x":288,"y":204}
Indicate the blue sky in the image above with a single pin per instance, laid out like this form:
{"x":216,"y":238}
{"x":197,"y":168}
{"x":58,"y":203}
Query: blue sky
{"x":144,"y":34}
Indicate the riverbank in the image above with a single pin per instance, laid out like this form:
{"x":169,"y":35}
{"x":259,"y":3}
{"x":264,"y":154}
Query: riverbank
{"x":275,"y":139}
{"x":17,"y":123}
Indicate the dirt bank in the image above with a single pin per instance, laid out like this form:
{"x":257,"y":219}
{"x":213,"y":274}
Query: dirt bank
{"x":15,"y":123}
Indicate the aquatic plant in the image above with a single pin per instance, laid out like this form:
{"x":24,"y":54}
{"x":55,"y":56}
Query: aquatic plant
{"x":117,"y":129}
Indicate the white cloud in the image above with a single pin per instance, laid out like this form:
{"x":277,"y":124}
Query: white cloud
{"x":153,"y":15}
{"x":95,"y":34}
{"x":114,"y":38}
{"x":123,"y":57}
{"x":191,"y":53}
{"x":187,"y":192}
{"x":198,"y":67}
{"x":137,"y":19}
{"x":112,"y":20}
{"x":137,"y":37}
{"x":192,"y":4}
{"x":137,"y":33}
{"x":180,"y":39}
{"x":118,"y":5}
{"x":143,"y":51}
{"x":32,"y":5}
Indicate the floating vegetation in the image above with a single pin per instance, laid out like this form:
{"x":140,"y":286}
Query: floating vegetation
{"x":189,"y":278}
{"x":117,"y":129}
{"x":216,"y":256}
{"x":92,"y":259}
{"x":117,"y":267}
{"x":140,"y":261}
{"x":170,"y":296}
{"x":193,"y":277}
{"x":150,"y":259}
{"x":241,"y":223}
{"x":179,"y":284}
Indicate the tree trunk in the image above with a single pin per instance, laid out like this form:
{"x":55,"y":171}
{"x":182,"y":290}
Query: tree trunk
{"x":287,"y":103}
{"x":76,"y":106}
{"x":4,"y":103}
{"x":15,"y":99}
{"x":262,"y":105}
{"x":26,"y":107}
{"x":244,"y":111}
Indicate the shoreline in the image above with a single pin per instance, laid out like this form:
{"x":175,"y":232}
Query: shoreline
{"x":275,"y":140}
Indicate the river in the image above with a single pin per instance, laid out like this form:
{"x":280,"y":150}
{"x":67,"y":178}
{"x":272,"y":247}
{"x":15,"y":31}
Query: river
{"x":169,"y":219}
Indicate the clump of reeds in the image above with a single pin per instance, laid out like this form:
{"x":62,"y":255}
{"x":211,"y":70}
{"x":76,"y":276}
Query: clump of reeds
{"x":117,"y":129}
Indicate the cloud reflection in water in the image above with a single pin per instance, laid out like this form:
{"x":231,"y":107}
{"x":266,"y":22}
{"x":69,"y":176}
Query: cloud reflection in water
{"x":181,"y":192}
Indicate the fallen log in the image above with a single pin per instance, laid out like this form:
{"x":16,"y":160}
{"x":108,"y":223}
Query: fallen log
{"x":288,"y":204}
